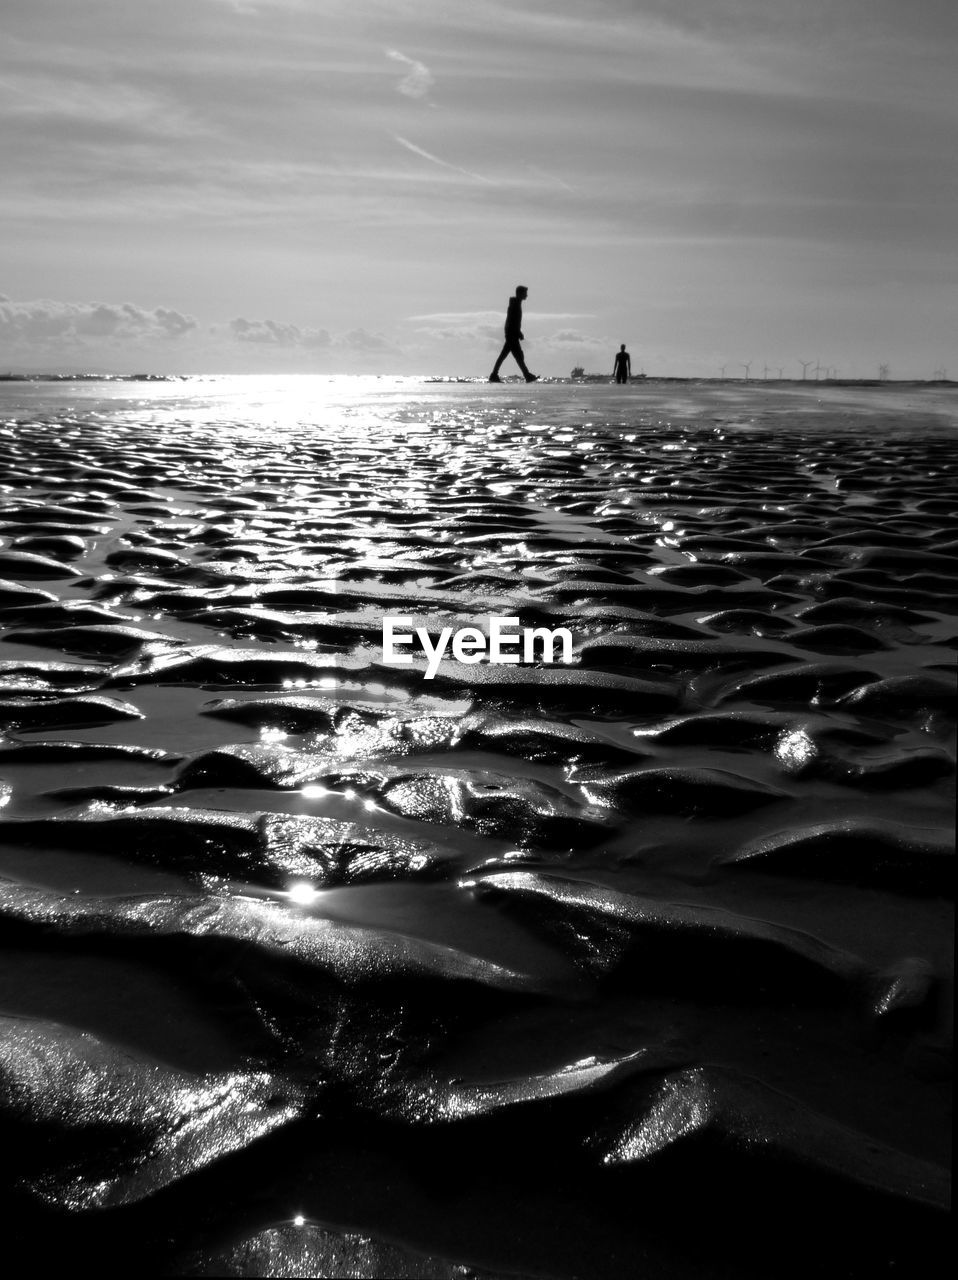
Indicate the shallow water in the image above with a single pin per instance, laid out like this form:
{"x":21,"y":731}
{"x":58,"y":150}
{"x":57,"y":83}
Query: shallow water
{"x":520,"y":969}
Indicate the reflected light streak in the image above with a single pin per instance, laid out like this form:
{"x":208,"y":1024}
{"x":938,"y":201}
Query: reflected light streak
{"x":302,"y":893}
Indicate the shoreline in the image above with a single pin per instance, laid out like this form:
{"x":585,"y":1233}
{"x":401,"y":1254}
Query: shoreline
{"x":588,"y":379}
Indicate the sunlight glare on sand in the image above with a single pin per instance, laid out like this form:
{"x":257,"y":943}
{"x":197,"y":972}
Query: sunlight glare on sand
{"x":302,"y":893}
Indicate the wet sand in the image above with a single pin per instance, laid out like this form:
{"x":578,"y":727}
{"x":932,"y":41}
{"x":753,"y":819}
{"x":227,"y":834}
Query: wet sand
{"x":636,"y":966}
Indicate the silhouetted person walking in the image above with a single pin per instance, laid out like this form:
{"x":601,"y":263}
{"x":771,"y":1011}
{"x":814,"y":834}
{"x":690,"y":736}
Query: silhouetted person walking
{"x":623,"y":365}
{"x":514,"y":337}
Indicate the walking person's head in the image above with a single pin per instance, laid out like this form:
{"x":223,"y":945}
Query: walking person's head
{"x":521,"y":292}
{"x":622,"y":348}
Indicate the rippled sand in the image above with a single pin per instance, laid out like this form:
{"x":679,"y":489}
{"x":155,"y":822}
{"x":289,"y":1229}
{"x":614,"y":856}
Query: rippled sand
{"x":636,"y":966}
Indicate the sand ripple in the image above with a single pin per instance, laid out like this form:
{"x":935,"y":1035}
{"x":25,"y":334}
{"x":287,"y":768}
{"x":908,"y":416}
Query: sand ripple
{"x":334,"y":967}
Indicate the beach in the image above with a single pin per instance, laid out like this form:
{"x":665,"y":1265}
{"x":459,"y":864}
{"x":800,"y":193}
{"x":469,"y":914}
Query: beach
{"x":635,"y":964}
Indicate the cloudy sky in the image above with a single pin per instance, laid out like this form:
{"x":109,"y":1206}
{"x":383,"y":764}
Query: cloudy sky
{"x":316,"y":185}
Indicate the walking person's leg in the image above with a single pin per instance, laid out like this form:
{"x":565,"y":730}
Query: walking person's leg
{"x":512,"y":348}
{"x":494,"y":376}
{"x":520,"y":361}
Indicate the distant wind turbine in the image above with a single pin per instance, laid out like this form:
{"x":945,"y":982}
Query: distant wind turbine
{"x":722,"y":370}
{"x":746,"y":367}
{"x":804,"y":364}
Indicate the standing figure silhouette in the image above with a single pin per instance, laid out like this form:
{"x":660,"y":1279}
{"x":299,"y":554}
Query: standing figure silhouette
{"x":623,"y":365}
{"x":513,"y":337}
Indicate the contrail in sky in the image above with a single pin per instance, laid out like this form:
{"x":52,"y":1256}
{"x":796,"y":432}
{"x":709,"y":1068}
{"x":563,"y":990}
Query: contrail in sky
{"x":443,"y":164}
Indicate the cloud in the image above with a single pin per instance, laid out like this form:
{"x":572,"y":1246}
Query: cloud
{"x":573,"y":338}
{"x":484,"y":334}
{"x":458,"y":319}
{"x":277,"y":334}
{"x":44,"y":100}
{"x":552,"y":179}
{"x":254,"y":7}
{"x":418,"y":79}
{"x":362,"y":340}
{"x":468,"y":318}
{"x":45,"y":320}
{"x":485,"y":328}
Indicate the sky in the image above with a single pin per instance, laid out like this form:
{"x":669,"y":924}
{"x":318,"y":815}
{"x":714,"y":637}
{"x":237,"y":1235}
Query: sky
{"x":357,"y":186}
